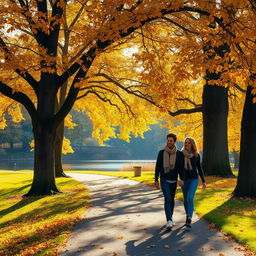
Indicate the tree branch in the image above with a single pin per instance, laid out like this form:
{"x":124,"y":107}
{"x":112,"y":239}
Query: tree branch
{"x":72,"y":94}
{"x":180,"y":26}
{"x":185,"y":111}
{"x":80,"y":52}
{"x":239,"y":88}
{"x":136,"y":93}
{"x":21,"y":98}
{"x":74,"y":67}
{"x":42,"y":7}
{"x":32,"y":24}
{"x":24,"y":74}
{"x":127,"y":106}
{"x":190,"y":101}
{"x":105,"y":99}
{"x":77,"y":15}
{"x":101,"y":45}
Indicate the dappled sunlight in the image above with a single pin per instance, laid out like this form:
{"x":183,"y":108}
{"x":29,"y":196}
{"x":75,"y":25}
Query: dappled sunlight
{"x":235,"y":216}
{"x":38,"y":224}
{"x":218,"y":182}
{"x":127,"y":218}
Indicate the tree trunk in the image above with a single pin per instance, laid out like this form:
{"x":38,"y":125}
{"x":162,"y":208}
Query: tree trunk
{"x":247,"y":167}
{"x":44,"y":174}
{"x":236,"y":159}
{"x":215,"y":138}
{"x":44,"y":131}
{"x":60,"y":134}
{"x":215,"y":116}
{"x":59,"y":172}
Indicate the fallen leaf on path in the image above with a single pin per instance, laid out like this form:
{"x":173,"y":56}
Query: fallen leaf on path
{"x":249,"y":253}
{"x":221,"y":254}
{"x":114,"y":253}
{"x":211,"y":226}
{"x":145,"y":228}
{"x":94,"y":244}
{"x":212,"y":248}
{"x":119,"y":237}
{"x":166,"y":246}
{"x":101,"y":247}
{"x":81,"y":250}
{"x":151,"y":246}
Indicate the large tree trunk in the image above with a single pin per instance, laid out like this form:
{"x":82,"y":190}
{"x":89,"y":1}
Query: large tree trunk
{"x":247,"y":167}
{"x":44,"y":131}
{"x":215,"y":138}
{"x":44,"y":174}
{"x":215,"y":116}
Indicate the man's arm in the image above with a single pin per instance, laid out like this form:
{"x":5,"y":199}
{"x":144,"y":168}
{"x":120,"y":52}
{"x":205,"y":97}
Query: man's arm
{"x":181,"y":170}
{"x":157,"y":169}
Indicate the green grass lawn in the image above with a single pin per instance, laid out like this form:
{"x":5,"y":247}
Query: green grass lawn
{"x":234,"y":216}
{"x":37,"y":225}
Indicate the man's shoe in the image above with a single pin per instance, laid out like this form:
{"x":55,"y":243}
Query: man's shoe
{"x":169,"y":224}
{"x":188,"y":222}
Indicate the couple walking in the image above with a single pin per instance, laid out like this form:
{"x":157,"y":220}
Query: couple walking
{"x":186,"y":163}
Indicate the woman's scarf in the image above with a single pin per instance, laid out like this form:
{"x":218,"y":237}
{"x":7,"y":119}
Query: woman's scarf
{"x":169,"y":158}
{"x":187,"y":157}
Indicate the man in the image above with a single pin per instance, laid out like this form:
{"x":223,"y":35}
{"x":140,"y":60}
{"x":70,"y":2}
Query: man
{"x":170,"y":163}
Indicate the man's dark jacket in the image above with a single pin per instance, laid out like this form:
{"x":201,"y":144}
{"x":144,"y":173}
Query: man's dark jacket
{"x":173,"y":174}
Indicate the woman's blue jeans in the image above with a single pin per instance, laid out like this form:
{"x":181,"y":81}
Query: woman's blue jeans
{"x":189,"y":190}
{"x":169,"y":190}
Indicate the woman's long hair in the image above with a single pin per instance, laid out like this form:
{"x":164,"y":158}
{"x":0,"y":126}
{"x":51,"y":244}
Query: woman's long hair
{"x":194,"y":149}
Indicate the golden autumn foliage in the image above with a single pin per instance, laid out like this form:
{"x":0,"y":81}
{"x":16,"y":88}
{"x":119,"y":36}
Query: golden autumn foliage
{"x":167,"y":53}
{"x":66,"y":147}
{"x":56,"y":55}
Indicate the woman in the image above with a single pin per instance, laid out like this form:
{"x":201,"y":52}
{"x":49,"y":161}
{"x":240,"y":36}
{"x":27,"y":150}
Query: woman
{"x":193,"y":168}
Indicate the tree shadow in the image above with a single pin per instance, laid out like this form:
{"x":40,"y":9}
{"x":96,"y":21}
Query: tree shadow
{"x":3,"y":193}
{"x":36,"y":218}
{"x":118,"y":210}
{"x":23,"y":202}
{"x":236,"y":207}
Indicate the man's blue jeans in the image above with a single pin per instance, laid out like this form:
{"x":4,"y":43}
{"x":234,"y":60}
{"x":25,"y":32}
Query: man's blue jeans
{"x":169,"y":190}
{"x":189,"y":190}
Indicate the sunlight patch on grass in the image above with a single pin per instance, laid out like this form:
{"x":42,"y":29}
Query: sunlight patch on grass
{"x":37,"y":225}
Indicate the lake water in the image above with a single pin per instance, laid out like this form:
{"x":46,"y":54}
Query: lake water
{"x":99,"y":165}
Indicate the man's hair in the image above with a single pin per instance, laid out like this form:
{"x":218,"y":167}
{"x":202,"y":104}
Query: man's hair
{"x":172,"y":135}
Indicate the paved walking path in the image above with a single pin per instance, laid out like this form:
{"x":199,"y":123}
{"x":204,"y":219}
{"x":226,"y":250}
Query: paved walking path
{"x":127,"y":218}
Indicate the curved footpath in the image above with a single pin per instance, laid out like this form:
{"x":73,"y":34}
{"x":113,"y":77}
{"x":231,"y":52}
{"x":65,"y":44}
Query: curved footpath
{"x":127,"y":218}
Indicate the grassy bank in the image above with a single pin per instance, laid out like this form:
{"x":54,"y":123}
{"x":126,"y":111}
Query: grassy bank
{"x":37,"y":225}
{"x":234,"y":216}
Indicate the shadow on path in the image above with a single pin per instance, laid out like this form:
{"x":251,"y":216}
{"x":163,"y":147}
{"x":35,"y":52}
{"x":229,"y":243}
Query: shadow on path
{"x":127,"y":218}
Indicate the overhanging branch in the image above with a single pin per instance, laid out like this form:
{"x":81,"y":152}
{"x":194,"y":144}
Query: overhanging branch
{"x":190,"y":101}
{"x":101,"y":45}
{"x":19,"y":97}
{"x":22,"y":73}
{"x":185,"y":111}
